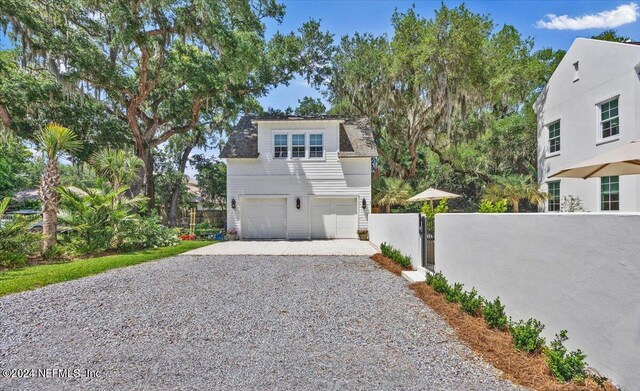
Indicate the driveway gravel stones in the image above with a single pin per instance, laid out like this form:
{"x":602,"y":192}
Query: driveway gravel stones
{"x":234,"y":322}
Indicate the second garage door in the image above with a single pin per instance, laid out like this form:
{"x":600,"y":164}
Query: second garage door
{"x":264,"y":218}
{"x":334,"y":218}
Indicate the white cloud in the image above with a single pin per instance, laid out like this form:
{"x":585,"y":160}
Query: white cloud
{"x":624,"y":14}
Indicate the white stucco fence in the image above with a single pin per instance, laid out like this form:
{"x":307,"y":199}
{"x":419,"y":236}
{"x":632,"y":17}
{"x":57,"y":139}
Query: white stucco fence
{"x":579,"y":272}
{"x":399,"y":230}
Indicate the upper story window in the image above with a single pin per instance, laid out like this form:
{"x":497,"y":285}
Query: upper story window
{"x":315,"y":146}
{"x":610,"y":193}
{"x":553,"y":202}
{"x":297,"y":146}
{"x":609,"y":119}
{"x":280,"y":146}
{"x":554,"y":137}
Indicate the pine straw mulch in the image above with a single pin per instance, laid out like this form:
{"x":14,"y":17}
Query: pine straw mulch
{"x":495,"y":347}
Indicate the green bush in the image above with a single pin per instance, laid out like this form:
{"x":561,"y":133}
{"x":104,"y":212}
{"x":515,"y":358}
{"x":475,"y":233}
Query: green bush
{"x":438,"y":282}
{"x":55,"y":253}
{"x":147,"y":232}
{"x":526,"y":335}
{"x":395,"y":255}
{"x":471,"y":302}
{"x":16,"y":241}
{"x":566,"y":366}
{"x":487,"y":206}
{"x":494,"y":314}
{"x":454,"y":293}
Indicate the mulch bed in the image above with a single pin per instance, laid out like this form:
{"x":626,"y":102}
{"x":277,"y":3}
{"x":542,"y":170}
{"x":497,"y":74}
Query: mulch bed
{"x":495,"y":347}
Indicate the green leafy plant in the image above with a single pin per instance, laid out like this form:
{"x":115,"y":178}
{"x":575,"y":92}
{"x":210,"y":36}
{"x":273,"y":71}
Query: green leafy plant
{"x":395,"y":255}
{"x":17,"y":242}
{"x":438,"y":282}
{"x":494,"y":314}
{"x":147,"y":232}
{"x":487,"y":206}
{"x":566,"y":366}
{"x":526,"y":335}
{"x":471,"y":302}
{"x":55,"y":253}
{"x":454,"y":293}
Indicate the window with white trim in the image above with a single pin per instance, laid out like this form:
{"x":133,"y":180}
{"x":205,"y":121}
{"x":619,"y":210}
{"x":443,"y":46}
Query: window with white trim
{"x":280,"y":146}
{"x":297,"y":146}
{"x":553,"y":202}
{"x":316,"y":148}
{"x":609,"y":119}
{"x":610,"y":193}
{"x":554,"y":137}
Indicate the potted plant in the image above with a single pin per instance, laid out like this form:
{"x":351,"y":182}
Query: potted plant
{"x":232,"y":234}
{"x":363,"y":234}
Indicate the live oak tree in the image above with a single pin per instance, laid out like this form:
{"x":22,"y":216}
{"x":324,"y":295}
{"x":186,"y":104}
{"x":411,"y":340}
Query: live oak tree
{"x":160,"y":66}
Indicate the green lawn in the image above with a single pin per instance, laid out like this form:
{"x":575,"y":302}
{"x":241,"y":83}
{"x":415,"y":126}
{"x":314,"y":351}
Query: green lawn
{"x":32,"y":277}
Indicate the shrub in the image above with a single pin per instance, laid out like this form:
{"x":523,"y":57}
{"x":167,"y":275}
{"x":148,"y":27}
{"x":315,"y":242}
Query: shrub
{"x":16,"y":241}
{"x":454,"y":293}
{"x":494,"y":314}
{"x":566,"y":366}
{"x":526,"y":335}
{"x":487,"y":206}
{"x":147,"y":232}
{"x":55,"y":253}
{"x":438,"y":282}
{"x":471,"y":302}
{"x":395,"y":255}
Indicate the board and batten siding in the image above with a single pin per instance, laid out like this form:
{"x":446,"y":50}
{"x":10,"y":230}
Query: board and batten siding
{"x":298,"y":178}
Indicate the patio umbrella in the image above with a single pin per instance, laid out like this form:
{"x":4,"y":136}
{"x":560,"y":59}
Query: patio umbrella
{"x":432,"y":194}
{"x":624,"y":160}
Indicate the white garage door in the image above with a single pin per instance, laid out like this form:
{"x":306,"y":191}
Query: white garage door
{"x":264,"y":218}
{"x":334,"y":218}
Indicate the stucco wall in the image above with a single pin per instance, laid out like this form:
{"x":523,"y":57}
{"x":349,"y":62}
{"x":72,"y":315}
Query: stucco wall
{"x":579,"y":272}
{"x":399,"y":230}
{"x":606,"y":70}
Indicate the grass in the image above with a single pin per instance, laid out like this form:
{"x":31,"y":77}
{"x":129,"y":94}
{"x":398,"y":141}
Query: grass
{"x":13,"y":281}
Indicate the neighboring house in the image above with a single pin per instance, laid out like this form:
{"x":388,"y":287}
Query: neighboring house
{"x":590,"y":105}
{"x":299,"y":177}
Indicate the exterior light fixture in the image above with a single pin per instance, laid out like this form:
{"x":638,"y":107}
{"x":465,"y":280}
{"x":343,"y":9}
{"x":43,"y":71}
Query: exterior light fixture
{"x":233,"y":203}
{"x":364,"y":203}
{"x":297,"y":203}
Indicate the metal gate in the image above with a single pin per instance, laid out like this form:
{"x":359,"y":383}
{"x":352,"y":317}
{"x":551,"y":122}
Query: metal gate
{"x":427,"y":242}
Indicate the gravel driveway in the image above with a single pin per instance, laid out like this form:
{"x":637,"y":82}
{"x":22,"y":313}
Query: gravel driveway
{"x":235,"y":322}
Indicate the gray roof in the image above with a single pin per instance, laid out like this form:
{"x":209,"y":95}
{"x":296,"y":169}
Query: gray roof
{"x":243,"y":141}
{"x":356,"y":137}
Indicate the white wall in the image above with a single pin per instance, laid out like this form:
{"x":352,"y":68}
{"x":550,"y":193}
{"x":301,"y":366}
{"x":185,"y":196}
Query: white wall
{"x":606,"y":70}
{"x":399,"y":230}
{"x":579,"y":272}
{"x":298,"y":178}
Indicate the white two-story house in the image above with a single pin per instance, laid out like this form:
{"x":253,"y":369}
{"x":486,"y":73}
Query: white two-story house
{"x":299,"y":177}
{"x":590,"y":105}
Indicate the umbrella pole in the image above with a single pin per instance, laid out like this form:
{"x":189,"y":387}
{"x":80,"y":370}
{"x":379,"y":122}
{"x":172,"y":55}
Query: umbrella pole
{"x":431,"y":201}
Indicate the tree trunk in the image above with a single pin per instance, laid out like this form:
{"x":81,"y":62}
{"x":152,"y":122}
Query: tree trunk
{"x":150,"y":180}
{"x":516,"y":206}
{"x":414,"y":159}
{"x":145,"y":182}
{"x":175,"y":191}
{"x":50,"y":198}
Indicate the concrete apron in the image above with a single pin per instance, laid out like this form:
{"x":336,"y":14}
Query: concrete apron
{"x":288,"y":247}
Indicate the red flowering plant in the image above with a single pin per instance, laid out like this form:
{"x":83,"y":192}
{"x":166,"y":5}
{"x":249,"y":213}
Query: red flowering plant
{"x":188,"y":237}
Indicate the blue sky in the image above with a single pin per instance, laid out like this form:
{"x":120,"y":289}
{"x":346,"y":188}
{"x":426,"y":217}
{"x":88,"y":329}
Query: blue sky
{"x":342,"y":17}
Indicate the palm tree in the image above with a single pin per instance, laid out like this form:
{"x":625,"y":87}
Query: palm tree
{"x":389,"y":192}
{"x":515,"y":188}
{"x":119,"y":167}
{"x":54,"y":140}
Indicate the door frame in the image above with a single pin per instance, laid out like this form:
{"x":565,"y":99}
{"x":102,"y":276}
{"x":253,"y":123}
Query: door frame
{"x":315,"y":196}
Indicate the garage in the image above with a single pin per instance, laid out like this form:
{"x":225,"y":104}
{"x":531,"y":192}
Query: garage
{"x":264,"y":218}
{"x":334,"y":218}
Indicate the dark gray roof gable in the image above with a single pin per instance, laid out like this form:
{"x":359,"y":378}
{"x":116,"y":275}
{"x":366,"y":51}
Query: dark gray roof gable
{"x":356,"y":138}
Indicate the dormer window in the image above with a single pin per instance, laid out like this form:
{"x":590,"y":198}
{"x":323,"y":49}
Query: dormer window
{"x":280,"y":146}
{"x":316,"y":149}
{"x":297,"y":146}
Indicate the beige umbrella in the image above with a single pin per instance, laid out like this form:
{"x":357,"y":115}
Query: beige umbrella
{"x":624,"y":160}
{"x":432,"y":194}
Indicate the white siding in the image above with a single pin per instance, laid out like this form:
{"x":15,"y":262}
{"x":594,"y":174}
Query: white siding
{"x":606,"y":70}
{"x":298,"y":178}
